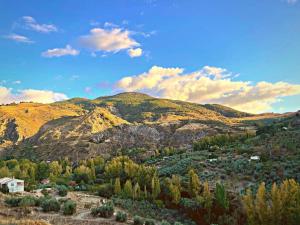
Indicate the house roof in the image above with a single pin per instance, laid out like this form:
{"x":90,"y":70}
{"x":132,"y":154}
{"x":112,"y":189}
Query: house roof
{"x":6,"y":180}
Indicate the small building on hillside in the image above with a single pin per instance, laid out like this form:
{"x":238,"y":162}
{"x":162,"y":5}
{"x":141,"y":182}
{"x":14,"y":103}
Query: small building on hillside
{"x":13,"y":185}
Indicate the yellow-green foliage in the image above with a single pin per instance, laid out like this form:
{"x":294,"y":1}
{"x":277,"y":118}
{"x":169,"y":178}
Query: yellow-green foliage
{"x":279,"y":206}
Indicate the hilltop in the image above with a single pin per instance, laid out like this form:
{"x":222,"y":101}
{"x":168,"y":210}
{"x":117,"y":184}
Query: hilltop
{"x":86,"y":127}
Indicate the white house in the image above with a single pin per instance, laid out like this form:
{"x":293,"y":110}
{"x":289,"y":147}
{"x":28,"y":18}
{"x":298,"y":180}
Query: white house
{"x":14,"y":185}
{"x":255,"y":158}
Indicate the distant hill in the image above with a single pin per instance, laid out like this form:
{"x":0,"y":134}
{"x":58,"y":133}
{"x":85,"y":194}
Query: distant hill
{"x":125,"y":120}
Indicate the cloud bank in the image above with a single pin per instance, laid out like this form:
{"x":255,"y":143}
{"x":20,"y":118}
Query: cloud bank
{"x":108,"y":40}
{"x":209,"y":85}
{"x":29,"y":95}
{"x":58,"y":52}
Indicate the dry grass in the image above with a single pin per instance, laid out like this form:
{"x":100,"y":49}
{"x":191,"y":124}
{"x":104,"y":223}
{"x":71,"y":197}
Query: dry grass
{"x":12,"y":221}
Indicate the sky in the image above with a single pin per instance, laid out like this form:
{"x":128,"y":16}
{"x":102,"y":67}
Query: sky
{"x":242,"y":54}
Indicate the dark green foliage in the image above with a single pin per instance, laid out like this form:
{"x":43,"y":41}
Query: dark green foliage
{"x":106,"y":190}
{"x":50,"y":204}
{"x":220,"y":140}
{"x":149,"y":222}
{"x":221,"y":196}
{"x":13,"y":201}
{"x":4,"y":189}
{"x":121,"y":216}
{"x":190,"y":204}
{"x":178,"y":223}
{"x":69,"y":207}
{"x":137,"y":220}
{"x":62,"y":190}
{"x":28,"y":201}
{"x":105,"y":211}
{"x":164,"y":223}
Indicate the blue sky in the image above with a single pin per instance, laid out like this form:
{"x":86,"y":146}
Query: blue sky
{"x":244,"y":54}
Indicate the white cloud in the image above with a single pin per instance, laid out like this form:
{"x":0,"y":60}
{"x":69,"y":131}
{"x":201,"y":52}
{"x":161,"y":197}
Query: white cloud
{"x":108,"y":40}
{"x":110,"y":24}
{"x":209,"y":85}
{"x":18,"y":38}
{"x":135,"y":52}
{"x":31,"y":23}
{"x":29,"y":95}
{"x":58,"y":52}
{"x":291,"y":2}
{"x":17,"y":82}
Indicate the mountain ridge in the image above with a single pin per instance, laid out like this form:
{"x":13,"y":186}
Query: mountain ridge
{"x":107,"y":123}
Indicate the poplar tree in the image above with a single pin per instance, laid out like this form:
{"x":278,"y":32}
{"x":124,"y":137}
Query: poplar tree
{"x":194,"y":183}
{"x":117,"y":187}
{"x":155,"y":185}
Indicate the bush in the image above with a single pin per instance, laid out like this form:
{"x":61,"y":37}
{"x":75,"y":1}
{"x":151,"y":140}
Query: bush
{"x":137,"y":220}
{"x":12,"y":202}
{"x":4,"y":189}
{"x":149,"y":222}
{"x":105,"y":211}
{"x":50,"y":204}
{"x":165,"y":223}
{"x":121,"y":216}
{"x":69,"y":207}
{"x":62,"y":190}
{"x":45,"y":192}
{"x":178,"y":223}
{"x":28,"y":201}
{"x":106,"y":190}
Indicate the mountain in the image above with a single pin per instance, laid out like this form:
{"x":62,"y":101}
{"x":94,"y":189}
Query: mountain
{"x":82,"y":128}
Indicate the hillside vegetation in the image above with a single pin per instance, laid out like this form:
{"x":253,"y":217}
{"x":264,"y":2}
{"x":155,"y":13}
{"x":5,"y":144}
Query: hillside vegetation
{"x":83,"y":127}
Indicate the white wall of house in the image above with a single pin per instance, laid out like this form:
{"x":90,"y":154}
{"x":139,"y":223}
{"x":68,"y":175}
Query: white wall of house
{"x":15,"y":186}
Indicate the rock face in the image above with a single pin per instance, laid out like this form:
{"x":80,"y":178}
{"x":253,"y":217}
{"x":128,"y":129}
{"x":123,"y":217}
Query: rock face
{"x":64,"y":136}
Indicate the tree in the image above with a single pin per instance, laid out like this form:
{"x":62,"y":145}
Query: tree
{"x":55,"y":170}
{"x":128,"y":193}
{"x":207,"y":199}
{"x":221,"y":196}
{"x":82,"y":174}
{"x":194,"y":183}
{"x":145,"y":193}
{"x":175,"y":193}
{"x":174,"y":188}
{"x":93,"y":171}
{"x":277,"y":207}
{"x":250,"y":207}
{"x":4,"y":172}
{"x":136,"y":191}
{"x":155,"y":186}
{"x":43,"y":171}
{"x":261,"y":204}
{"x":117,"y":187}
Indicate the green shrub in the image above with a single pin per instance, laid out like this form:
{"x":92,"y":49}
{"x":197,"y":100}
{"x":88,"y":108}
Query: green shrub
{"x":149,"y":222}
{"x":106,"y":190}
{"x":13,"y":202}
{"x":178,"y":223}
{"x":69,"y":207}
{"x":45,"y":192}
{"x":28,"y":201}
{"x":4,"y":189}
{"x":105,"y":211}
{"x":121,"y":216}
{"x":164,"y":223}
{"x":137,"y":220}
{"x":50,"y":204}
{"x":62,"y":190}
